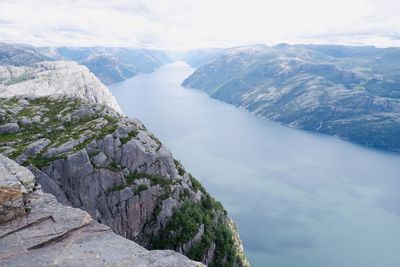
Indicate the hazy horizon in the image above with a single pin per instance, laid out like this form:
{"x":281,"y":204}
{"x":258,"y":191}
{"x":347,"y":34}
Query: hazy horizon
{"x":185,"y":25}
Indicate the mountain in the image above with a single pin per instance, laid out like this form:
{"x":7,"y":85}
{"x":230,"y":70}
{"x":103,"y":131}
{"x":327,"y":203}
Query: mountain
{"x":349,"y":92}
{"x":112,"y":64}
{"x":19,"y":55}
{"x":54,"y":77}
{"x":109,"y":64}
{"x":58,"y":120}
{"x":93,"y":158}
{"x":198,"y":57}
{"x":36,"y":230}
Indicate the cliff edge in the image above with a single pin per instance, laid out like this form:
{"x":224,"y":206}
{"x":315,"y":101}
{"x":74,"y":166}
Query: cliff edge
{"x":36,"y":230}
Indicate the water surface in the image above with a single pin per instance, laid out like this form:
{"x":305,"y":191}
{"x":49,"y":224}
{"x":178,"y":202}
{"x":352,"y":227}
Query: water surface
{"x":299,"y":199}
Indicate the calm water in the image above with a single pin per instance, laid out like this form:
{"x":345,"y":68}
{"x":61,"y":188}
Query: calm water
{"x":299,"y":199}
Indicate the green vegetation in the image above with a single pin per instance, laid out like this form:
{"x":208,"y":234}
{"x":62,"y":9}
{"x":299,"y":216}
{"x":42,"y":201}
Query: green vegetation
{"x":130,"y":179}
{"x":113,"y":166}
{"x":156,"y":140}
{"x":196,"y":185}
{"x":131,"y":135}
{"x":186,"y":222}
{"x":7,"y":137}
{"x":178,"y":165}
{"x":111,"y":119}
{"x":117,"y":188}
{"x":52,"y":127}
{"x":140,"y":188}
{"x":39,"y":161}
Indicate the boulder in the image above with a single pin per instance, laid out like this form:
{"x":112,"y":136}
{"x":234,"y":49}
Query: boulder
{"x":11,"y":127}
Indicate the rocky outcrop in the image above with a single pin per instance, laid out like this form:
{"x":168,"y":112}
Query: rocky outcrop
{"x":91,"y":157}
{"x":15,"y":183}
{"x":42,"y":232}
{"x":55,"y":77}
{"x":349,"y":92}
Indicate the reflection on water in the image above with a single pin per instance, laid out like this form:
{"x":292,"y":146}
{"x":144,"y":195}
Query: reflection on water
{"x":300,"y":199}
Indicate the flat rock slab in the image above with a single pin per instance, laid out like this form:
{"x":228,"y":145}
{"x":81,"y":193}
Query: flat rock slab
{"x":52,"y":234}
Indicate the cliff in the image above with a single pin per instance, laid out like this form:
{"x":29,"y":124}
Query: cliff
{"x":36,"y":230}
{"x":91,"y":157}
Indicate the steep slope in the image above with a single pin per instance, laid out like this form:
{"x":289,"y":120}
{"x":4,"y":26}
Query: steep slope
{"x":349,"y":92}
{"x":55,"y":77}
{"x":36,"y":230}
{"x":93,"y":158}
{"x":113,"y":64}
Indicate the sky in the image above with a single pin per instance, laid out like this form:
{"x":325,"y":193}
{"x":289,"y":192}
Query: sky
{"x":190,"y":24}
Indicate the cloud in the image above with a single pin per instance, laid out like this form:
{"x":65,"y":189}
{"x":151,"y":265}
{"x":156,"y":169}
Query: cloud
{"x":177,"y":24}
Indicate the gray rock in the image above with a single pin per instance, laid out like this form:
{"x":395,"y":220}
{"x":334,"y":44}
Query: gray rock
{"x":103,"y":174}
{"x":36,"y":119}
{"x":36,"y":147}
{"x":25,"y":121}
{"x":100,"y":160}
{"x":66,"y":118}
{"x":9,"y":128}
{"x":53,"y":234}
{"x":81,"y":114}
{"x":15,"y":183}
{"x":61,"y":149}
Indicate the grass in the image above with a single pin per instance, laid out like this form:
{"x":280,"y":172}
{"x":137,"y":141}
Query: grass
{"x":157,"y":141}
{"x":140,"y":188}
{"x":196,"y":185}
{"x":40,"y":161}
{"x":7,"y":137}
{"x":116,"y":188}
{"x":178,"y":165}
{"x":114,"y":167}
{"x":131,"y":135}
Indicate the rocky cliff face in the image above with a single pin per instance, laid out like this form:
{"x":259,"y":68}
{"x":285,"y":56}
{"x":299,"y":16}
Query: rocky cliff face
{"x":36,"y":230}
{"x":91,"y":157}
{"x":55,"y":77}
{"x":349,"y":92}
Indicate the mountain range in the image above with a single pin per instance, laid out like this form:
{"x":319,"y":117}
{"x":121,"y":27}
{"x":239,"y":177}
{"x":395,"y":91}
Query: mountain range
{"x":349,"y":92}
{"x":109,"y":64}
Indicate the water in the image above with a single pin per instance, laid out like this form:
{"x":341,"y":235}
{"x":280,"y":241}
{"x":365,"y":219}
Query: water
{"x":298,"y":198}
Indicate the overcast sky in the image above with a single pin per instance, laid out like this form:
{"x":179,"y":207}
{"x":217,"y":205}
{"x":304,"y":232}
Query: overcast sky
{"x":186,"y":24}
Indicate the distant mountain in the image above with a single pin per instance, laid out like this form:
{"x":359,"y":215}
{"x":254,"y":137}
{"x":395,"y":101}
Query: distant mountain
{"x":198,"y":57}
{"x":109,"y":64}
{"x":19,"y":55}
{"x":349,"y":92}
{"x":112,"y":64}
